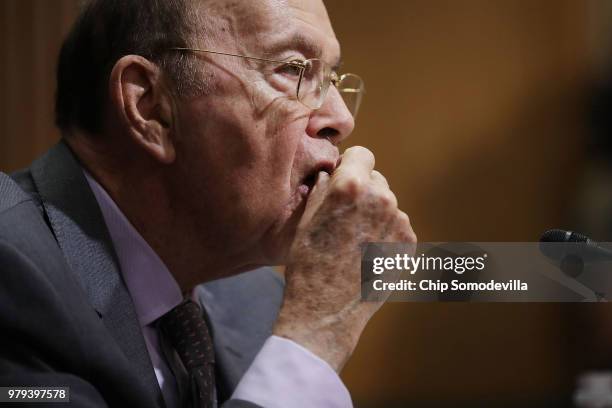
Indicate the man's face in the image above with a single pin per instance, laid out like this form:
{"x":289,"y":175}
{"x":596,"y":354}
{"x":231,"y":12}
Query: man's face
{"x":247,"y":153}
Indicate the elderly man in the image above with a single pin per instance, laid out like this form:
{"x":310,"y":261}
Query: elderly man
{"x":200,"y":141}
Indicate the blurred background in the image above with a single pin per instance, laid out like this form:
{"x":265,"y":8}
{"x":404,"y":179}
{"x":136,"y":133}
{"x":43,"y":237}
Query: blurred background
{"x":490,"y":120}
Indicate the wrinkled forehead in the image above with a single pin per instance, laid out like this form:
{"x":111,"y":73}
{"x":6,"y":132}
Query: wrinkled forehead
{"x":272,"y":27}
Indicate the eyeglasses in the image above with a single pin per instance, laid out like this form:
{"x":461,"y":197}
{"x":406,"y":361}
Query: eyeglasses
{"x":312,"y":79}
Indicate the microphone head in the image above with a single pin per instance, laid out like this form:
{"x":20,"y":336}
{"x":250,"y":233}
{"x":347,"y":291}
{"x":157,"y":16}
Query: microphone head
{"x":572,"y":247}
{"x":559,"y":235}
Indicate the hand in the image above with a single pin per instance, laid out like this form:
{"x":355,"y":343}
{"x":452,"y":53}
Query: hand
{"x":322,"y":308}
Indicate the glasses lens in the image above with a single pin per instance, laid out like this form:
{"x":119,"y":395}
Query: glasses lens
{"x":352,"y":89}
{"x":314,"y":84}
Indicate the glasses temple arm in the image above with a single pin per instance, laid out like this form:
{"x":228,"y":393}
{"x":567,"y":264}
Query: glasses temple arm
{"x":297,"y":63}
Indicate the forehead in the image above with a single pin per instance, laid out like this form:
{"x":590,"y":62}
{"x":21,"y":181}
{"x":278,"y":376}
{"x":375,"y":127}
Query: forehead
{"x":264,"y":25}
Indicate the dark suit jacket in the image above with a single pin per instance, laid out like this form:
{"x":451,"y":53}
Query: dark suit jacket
{"x":66,"y":317}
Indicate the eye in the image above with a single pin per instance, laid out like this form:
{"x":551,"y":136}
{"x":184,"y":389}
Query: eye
{"x":291,"y":68}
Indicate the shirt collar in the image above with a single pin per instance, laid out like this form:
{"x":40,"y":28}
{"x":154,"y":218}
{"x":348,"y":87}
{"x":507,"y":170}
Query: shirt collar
{"x":153,"y":289}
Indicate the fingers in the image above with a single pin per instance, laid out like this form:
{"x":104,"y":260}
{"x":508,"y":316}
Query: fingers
{"x":359,"y":162}
{"x":356,"y":165}
{"x":378,"y":178}
{"x":317,"y":196}
{"x":381,"y":186}
{"x":355,"y":189}
{"x":403,"y":229}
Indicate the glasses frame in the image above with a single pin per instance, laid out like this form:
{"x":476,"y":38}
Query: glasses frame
{"x":302,"y":65}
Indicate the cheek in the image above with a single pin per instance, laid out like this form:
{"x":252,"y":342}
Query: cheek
{"x":257,"y":158}
{"x":286,"y":153}
{"x":219,"y":136}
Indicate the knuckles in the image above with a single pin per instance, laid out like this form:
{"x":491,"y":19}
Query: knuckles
{"x":407,"y":234}
{"x":403,"y":231}
{"x":353,"y":190}
{"x":360,"y":151}
{"x":387,"y":200}
{"x":410,"y":237}
{"x":347,"y":189}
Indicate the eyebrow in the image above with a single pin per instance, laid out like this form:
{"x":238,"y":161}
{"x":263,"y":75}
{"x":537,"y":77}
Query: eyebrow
{"x":305,"y":45}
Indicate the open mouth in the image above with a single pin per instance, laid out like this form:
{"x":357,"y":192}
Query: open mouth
{"x":311,"y":179}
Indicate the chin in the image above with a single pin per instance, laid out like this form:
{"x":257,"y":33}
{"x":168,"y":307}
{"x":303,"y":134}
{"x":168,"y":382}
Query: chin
{"x":279,"y":239}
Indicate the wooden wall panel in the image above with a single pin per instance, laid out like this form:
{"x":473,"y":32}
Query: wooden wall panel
{"x":32,"y":31}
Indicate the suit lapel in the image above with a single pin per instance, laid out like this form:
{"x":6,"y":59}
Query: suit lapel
{"x":79,"y":228}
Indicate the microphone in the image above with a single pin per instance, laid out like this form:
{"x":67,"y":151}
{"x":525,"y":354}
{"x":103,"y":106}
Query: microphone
{"x":558,"y":245}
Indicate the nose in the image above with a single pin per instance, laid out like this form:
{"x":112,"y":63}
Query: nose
{"x":332,"y":120}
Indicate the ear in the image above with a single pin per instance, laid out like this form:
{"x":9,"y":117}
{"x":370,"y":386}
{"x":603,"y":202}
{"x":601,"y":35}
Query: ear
{"x":144,"y":105}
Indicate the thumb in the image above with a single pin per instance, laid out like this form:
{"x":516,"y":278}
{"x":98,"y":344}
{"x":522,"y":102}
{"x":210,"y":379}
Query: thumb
{"x":316,"y":197}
